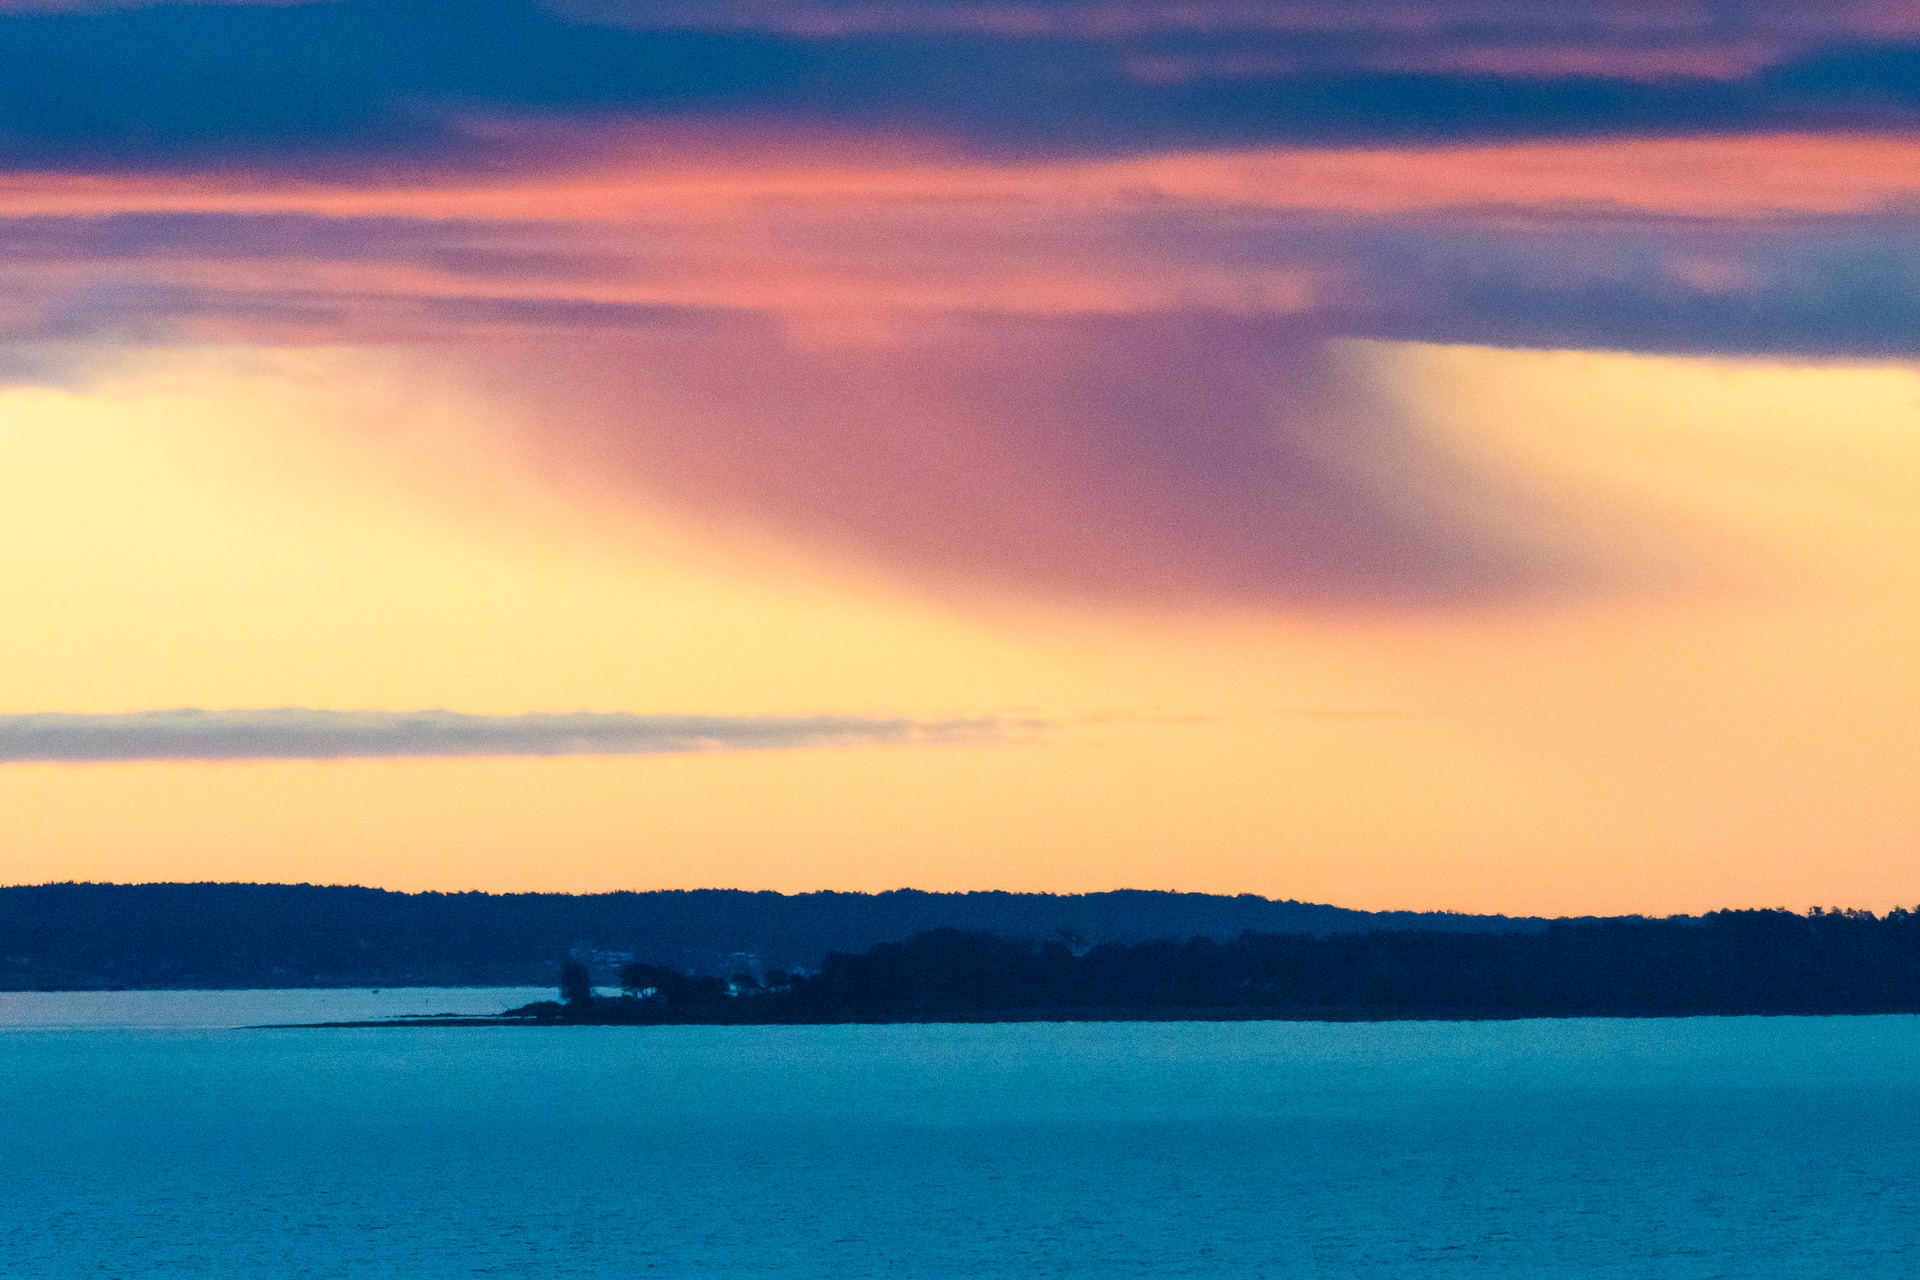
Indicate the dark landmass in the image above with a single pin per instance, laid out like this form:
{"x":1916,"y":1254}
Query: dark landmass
{"x":66,"y":937}
{"x":1727,"y":963}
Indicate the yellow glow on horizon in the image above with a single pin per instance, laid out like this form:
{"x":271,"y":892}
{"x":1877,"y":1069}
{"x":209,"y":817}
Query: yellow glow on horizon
{"x":317,"y":529}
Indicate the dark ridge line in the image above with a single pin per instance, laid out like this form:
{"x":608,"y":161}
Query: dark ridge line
{"x":77,"y":936}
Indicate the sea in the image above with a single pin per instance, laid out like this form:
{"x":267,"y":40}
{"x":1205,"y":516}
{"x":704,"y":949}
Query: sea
{"x":164,"y":1133}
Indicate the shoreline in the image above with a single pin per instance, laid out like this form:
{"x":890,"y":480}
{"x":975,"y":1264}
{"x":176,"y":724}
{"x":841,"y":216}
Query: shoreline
{"x":984,"y":1017}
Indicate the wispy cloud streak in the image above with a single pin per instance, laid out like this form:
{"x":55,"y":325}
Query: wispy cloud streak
{"x":1488,"y":21}
{"x":298,"y":733}
{"x":1693,"y":244}
{"x":1175,"y":41}
{"x":671,"y":178}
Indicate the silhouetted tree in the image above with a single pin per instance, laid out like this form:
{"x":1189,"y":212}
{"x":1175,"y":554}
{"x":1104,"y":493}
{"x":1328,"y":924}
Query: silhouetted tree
{"x":666,"y":984}
{"x":576,"y":987}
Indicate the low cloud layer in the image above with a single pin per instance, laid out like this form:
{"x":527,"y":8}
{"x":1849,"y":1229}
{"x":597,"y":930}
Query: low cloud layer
{"x":297,"y":733}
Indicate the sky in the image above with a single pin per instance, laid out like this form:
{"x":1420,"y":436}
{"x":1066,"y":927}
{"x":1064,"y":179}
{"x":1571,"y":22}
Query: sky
{"x":1410,"y":455}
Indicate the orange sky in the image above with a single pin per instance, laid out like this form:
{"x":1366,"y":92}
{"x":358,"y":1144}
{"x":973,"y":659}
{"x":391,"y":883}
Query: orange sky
{"x":1729,"y":725}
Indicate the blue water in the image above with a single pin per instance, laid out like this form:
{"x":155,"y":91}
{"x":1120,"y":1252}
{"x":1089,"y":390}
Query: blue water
{"x":1660,"y":1148}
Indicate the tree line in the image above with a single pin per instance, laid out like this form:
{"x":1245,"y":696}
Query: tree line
{"x":79,"y":936}
{"x":1728,"y":962}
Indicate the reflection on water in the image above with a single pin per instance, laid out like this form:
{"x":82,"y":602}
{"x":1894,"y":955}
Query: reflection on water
{"x":1632,"y":1148}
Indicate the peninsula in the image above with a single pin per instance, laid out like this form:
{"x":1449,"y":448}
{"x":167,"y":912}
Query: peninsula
{"x":1727,"y":963}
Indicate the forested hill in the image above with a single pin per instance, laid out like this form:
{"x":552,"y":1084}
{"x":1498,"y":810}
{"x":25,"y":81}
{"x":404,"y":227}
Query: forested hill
{"x":82,"y":936}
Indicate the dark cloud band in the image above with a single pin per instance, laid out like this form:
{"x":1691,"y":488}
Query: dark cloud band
{"x":304,"y":85}
{"x":297,"y":733}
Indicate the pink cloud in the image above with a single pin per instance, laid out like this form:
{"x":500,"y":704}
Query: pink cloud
{"x":875,"y":243}
{"x":1154,"y":462}
{"x":1728,"y":176}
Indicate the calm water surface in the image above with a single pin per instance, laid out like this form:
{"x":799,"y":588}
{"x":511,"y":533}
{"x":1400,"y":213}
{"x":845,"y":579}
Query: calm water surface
{"x":143,"y":1136}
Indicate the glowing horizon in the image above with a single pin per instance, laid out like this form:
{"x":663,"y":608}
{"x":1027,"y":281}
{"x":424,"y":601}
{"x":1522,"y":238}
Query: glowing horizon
{"x":1272,"y":752}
